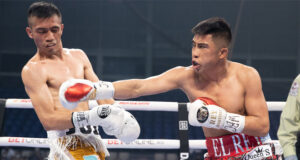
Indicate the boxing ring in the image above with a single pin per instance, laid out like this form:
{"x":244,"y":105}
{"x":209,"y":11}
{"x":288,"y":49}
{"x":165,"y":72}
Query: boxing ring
{"x":183,"y":143}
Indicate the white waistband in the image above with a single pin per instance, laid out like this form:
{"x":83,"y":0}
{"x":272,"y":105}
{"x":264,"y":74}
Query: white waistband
{"x":56,"y":133}
{"x":60,"y":133}
{"x":265,"y":139}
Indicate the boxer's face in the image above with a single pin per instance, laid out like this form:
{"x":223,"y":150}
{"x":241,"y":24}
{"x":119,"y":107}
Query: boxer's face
{"x":205,"y":52}
{"x":46,"y":33}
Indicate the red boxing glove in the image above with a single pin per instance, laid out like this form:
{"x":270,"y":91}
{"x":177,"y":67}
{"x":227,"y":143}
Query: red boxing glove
{"x":73,"y":91}
{"x":77,"y":91}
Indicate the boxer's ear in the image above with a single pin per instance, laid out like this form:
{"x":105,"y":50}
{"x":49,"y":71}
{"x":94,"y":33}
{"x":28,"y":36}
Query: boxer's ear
{"x":29,"y":32}
{"x":223,"y":53}
{"x":62,"y":27}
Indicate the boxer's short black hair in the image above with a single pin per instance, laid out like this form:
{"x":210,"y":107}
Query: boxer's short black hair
{"x":215,"y":26}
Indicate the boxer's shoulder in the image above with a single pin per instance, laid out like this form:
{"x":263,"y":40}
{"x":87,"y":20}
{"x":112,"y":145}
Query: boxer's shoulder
{"x":243,"y":72}
{"x":33,"y":70}
{"x":74,"y":53}
{"x":240,"y":68}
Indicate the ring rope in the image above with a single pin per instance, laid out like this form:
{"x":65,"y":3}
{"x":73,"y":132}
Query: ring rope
{"x":135,"y":105}
{"x":115,"y":143}
{"x":110,"y":143}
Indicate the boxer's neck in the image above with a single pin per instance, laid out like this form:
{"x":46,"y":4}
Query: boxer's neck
{"x":50,"y":55}
{"x":216,"y":73}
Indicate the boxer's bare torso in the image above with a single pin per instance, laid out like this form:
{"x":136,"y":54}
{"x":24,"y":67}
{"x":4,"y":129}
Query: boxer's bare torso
{"x":228,"y":92}
{"x":43,"y":75}
{"x":57,"y":70}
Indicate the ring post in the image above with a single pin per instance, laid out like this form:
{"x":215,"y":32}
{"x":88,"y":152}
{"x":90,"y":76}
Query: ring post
{"x":183,"y":127}
{"x":2,"y":111}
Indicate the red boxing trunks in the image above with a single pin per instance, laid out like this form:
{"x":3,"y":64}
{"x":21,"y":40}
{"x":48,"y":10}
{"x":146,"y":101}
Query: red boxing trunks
{"x":238,"y":147}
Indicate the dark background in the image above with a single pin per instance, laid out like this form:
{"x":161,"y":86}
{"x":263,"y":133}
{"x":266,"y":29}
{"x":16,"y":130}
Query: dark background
{"x":140,"y":38}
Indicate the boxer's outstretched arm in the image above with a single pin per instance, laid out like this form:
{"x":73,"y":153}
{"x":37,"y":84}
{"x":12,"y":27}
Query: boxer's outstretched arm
{"x":257,"y":115}
{"x":34,"y":81}
{"x":133,"y":88}
{"x":89,"y":74}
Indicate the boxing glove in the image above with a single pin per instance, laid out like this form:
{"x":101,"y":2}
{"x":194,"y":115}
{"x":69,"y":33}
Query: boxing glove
{"x":113,"y":119}
{"x":73,"y":91}
{"x":205,"y":112}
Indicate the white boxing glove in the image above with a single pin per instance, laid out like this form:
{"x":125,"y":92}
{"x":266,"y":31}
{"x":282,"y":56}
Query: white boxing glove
{"x":73,"y":91}
{"x":113,"y":119}
{"x":130,"y":129}
{"x":205,"y":112}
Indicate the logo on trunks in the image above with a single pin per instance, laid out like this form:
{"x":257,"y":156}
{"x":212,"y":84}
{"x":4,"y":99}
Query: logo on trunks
{"x":260,"y":152}
{"x":183,"y":125}
{"x":202,"y":114}
{"x":84,"y":130}
{"x":104,"y":112}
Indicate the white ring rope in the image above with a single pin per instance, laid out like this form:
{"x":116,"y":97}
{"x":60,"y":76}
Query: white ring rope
{"x":115,"y":143}
{"x":134,"y":105}
{"x":110,"y":143}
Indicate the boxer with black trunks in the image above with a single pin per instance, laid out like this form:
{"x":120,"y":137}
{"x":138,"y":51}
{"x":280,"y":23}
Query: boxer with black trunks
{"x":234,"y":118}
{"x":70,"y":136}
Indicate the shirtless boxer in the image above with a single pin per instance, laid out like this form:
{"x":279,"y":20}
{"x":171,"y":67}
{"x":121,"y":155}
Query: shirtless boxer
{"x":69,"y":137}
{"x":234,"y":118}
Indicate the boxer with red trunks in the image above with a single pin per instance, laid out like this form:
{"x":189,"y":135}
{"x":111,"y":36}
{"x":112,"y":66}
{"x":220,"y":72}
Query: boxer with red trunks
{"x":240,"y":119}
{"x":207,"y":113}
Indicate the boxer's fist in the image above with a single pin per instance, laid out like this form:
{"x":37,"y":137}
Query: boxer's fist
{"x":205,"y":112}
{"x":113,"y":119}
{"x":73,"y":91}
{"x":105,"y":115}
{"x":128,"y":131}
{"x":207,"y":115}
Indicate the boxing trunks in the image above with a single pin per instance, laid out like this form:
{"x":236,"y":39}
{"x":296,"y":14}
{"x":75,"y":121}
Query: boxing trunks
{"x":241,"y":147}
{"x":76,"y":144}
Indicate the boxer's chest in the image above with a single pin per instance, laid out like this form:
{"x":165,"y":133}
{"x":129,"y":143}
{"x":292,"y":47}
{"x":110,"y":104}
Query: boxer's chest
{"x":229,"y":94}
{"x":60,"y":72}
